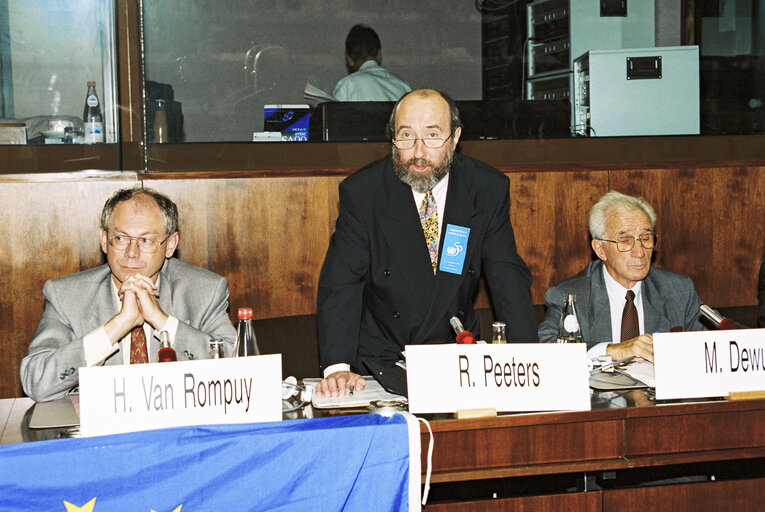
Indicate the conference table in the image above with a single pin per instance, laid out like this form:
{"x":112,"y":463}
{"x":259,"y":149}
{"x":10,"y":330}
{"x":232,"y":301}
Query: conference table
{"x":629,"y":452}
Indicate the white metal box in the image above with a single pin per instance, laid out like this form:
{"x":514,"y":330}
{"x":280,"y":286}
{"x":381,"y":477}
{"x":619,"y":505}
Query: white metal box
{"x":643,"y":91}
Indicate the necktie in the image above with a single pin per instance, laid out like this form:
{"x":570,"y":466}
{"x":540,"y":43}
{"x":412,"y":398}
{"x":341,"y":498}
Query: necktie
{"x":139,"y":352}
{"x":630,"y":327}
{"x":429,"y":221}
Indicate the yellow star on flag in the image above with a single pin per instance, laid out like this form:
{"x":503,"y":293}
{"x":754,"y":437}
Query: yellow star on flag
{"x":88,"y":507}
{"x":176,"y":510}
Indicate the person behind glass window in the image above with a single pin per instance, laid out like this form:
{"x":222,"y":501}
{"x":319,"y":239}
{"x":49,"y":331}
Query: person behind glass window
{"x":368,"y":80}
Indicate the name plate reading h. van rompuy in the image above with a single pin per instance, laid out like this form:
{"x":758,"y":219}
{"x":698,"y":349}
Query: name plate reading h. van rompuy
{"x":509,"y":377}
{"x":128,"y":398}
{"x":708,"y":363}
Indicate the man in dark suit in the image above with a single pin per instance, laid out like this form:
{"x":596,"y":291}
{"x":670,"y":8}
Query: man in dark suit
{"x":115,"y":313}
{"x":623,"y":238}
{"x":415,"y":232}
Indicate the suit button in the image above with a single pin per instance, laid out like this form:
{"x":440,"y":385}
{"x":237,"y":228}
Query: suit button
{"x":461,"y":314}
{"x":396,"y":315}
{"x":471,"y":270}
{"x":386,"y":272}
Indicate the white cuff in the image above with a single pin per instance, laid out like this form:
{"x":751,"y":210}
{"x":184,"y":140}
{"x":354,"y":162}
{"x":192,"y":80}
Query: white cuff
{"x":97,"y":346}
{"x":338,"y":367}
{"x":598,"y":350}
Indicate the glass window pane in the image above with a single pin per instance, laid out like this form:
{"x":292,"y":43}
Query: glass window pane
{"x":509,"y":64}
{"x":49,"y":51}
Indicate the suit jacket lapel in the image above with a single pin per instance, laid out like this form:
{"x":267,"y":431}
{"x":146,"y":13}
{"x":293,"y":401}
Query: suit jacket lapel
{"x":600,"y":308}
{"x":104,"y":305}
{"x":401,"y":228}
{"x":654,"y":319}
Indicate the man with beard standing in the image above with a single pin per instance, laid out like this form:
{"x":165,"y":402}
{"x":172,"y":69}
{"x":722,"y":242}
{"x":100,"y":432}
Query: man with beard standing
{"x":415,"y":232}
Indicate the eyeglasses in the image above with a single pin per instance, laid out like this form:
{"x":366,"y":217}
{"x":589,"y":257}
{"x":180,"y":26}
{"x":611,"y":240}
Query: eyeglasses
{"x":145,"y":245}
{"x":626,"y":243}
{"x":431,"y":142}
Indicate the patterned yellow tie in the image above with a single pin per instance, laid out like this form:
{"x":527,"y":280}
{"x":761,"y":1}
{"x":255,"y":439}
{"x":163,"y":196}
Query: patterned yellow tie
{"x":429,"y":220}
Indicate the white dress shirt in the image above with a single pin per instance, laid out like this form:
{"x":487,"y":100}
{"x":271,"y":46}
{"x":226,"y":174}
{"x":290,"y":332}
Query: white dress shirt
{"x":616,"y":300}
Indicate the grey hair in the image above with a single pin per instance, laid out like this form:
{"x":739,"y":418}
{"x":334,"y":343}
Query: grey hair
{"x":454,"y":113}
{"x":166,"y":205}
{"x":614,"y":201}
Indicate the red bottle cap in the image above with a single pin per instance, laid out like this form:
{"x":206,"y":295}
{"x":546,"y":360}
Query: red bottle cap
{"x":91,"y":83}
{"x":465,"y":338}
{"x":245,"y":313}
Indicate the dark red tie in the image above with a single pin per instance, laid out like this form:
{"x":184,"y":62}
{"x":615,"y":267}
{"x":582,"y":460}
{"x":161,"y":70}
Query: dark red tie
{"x":139,"y":352}
{"x":630,"y":326}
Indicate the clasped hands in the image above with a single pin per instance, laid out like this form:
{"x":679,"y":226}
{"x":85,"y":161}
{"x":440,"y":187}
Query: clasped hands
{"x":139,"y":305}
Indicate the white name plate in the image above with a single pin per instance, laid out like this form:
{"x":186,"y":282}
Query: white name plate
{"x":128,"y":398}
{"x":511,"y":377}
{"x":708,"y":363}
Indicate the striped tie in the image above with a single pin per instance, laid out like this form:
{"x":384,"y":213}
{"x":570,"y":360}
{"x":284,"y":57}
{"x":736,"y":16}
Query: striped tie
{"x":429,"y":220}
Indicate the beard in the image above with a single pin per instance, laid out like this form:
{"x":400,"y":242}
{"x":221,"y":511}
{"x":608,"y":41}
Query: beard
{"x":421,"y":181}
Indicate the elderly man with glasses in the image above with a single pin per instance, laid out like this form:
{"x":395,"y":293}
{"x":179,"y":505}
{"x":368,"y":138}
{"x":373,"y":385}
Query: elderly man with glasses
{"x":415,"y":232}
{"x":116,"y":313}
{"x":621,"y":300}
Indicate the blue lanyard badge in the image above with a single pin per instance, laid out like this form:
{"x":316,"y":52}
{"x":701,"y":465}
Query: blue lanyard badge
{"x":453,"y":252}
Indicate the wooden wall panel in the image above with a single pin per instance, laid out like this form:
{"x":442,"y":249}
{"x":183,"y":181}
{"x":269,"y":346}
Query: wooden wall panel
{"x":711,"y":226}
{"x":47,"y":230}
{"x":549,"y":215}
{"x":268,"y":235}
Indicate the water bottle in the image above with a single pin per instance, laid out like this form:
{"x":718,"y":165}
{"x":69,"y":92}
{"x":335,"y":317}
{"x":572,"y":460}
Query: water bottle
{"x":160,"y":123}
{"x":498,"y":333}
{"x":216,"y":348}
{"x":166,"y":352}
{"x":568,"y":327}
{"x":92,"y":117}
{"x":245,"y":335}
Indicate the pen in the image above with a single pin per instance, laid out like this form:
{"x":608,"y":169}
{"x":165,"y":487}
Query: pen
{"x":619,"y":362}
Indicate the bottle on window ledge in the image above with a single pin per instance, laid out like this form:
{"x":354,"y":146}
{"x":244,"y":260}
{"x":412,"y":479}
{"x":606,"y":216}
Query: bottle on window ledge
{"x":161,"y":128}
{"x":92,"y":117}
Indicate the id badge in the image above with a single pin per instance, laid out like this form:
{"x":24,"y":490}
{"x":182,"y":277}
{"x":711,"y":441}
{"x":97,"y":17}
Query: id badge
{"x":454,"y":249}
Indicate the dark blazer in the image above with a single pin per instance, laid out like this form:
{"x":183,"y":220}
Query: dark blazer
{"x":377,"y":291}
{"x":78,"y":304}
{"x":669,"y":301}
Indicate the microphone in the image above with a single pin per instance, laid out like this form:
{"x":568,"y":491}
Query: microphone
{"x":463,"y":337}
{"x":717,"y":319}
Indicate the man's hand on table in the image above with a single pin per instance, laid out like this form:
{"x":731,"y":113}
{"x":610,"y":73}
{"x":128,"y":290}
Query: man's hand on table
{"x":641,"y":346}
{"x":336,"y":383}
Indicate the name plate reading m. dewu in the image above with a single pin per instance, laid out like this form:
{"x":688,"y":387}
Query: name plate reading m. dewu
{"x":511,"y":377}
{"x":128,"y":398}
{"x":708,"y":363}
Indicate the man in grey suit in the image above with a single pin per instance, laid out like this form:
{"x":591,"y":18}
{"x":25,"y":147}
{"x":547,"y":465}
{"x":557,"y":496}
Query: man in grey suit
{"x":116,"y":313}
{"x":623,"y":238}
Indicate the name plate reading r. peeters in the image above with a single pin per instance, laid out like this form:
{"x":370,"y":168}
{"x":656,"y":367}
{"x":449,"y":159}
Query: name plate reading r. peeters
{"x":708,"y":363}
{"x":512,"y":377}
{"x":128,"y":398}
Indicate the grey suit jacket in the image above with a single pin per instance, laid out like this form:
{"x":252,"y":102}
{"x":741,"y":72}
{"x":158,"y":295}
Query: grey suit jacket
{"x":669,"y":302}
{"x":77,"y":304}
